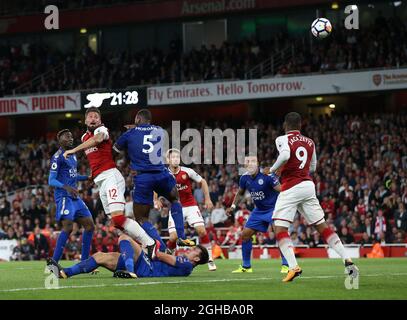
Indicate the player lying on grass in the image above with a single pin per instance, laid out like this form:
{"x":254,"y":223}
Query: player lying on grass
{"x":263,"y":190}
{"x":132,"y":262}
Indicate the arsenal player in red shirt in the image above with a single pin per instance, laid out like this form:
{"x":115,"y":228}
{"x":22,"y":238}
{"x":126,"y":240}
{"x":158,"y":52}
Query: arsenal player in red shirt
{"x":184,"y":177}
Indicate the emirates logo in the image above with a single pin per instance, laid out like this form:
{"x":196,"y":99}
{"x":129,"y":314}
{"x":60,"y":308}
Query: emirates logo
{"x":377,"y":79}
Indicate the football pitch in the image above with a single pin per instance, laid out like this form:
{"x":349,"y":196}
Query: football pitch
{"x":321,"y":279}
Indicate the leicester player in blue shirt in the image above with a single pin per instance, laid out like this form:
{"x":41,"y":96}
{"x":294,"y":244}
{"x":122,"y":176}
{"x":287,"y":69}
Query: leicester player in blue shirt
{"x":264,"y":191}
{"x":63,"y":177}
{"x":144,"y":144}
{"x":132,"y":262}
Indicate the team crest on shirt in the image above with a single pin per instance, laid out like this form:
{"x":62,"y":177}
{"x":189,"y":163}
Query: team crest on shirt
{"x":184,"y":176}
{"x":66,"y":211}
{"x":54,"y":166}
{"x":261,"y":181}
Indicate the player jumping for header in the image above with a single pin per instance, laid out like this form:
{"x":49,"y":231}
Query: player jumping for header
{"x":98,"y":148}
{"x":297,"y":159}
{"x":132,"y":263}
{"x":264,"y":191}
{"x":63,"y":177}
{"x":144,"y":144}
{"x":184,"y":177}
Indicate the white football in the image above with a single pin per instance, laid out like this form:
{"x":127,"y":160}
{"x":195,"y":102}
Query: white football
{"x":321,"y":28}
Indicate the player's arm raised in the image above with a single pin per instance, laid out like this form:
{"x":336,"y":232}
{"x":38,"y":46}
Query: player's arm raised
{"x":284,"y":153}
{"x":101,"y":134}
{"x":236,"y":200}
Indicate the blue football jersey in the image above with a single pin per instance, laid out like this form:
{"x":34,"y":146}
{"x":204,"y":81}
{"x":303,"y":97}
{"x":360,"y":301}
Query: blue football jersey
{"x":144,"y":145}
{"x":182,"y":268}
{"x":66,"y":170}
{"x":261,"y":189}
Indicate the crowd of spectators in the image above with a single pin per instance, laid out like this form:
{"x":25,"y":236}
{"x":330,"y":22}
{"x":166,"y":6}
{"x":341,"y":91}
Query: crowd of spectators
{"x":360,"y":181}
{"x":383,"y":44}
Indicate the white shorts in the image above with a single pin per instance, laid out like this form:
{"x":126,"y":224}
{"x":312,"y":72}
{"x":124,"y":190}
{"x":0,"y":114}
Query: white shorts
{"x":301,"y":197}
{"x":192,"y":215}
{"x":111,"y":186}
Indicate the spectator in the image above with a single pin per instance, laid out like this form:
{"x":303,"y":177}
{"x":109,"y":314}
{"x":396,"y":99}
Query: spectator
{"x":400,"y":217}
{"x":41,"y":247}
{"x":218,"y":216}
{"x":72,"y":248}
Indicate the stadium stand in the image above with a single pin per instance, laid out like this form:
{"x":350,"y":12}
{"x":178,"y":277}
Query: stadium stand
{"x":84,"y":69}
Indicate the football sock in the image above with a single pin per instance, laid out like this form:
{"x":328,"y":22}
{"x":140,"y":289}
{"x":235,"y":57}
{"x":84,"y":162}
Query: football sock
{"x":207,"y":244}
{"x":135,"y":231}
{"x":332,"y":239}
{"x":153,"y":233}
{"x":60,"y":246}
{"x":286,"y":247}
{"x":127,"y":251}
{"x":178,"y":217}
{"x":85,"y":266}
{"x":283,"y":259}
{"x":247,"y":246}
{"x":86,"y":244}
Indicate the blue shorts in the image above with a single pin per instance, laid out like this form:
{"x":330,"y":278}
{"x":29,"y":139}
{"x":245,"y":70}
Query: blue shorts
{"x":71,"y":209}
{"x":260,"y":220}
{"x":143,"y":267}
{"x":145,"y":183}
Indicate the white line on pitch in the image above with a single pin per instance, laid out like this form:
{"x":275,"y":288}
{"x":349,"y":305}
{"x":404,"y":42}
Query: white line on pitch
{"x":189,"y":281}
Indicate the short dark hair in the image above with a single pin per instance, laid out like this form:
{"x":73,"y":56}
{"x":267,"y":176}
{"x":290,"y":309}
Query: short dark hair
{"x":93,"y":109}
{"x":293,"y":120}
{"x":61,"y":132}
{"x":204,"y":256}
{"x":145,"y":114}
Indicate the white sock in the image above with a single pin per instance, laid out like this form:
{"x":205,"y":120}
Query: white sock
{"x":287,"y":248}
{"x":336,"y":244}
{"x":134,"y":230}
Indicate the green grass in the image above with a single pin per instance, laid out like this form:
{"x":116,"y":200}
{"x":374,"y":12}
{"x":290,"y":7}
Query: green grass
{"x":321,"y":279}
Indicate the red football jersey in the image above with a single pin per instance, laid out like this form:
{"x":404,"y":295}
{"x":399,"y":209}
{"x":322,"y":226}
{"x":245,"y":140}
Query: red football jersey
{"x":184,"y":178}
{"x":100,"y":157}
{"x":302,"y":153}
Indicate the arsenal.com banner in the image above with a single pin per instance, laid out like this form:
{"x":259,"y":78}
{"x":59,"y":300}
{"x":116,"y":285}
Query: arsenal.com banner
{"x":279,"y":87}
{"x":18,"y":105}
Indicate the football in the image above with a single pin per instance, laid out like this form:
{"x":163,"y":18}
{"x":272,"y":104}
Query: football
{"x":321,"y":28}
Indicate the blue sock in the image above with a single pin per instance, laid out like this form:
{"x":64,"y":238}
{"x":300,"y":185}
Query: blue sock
{"x":247,"y":253}
{"x":153,"y":233}
{"x":283,"y":260}
{"x":86,"y":244}
{"x":82,"y":267}
{"x":60,"y":246}
{"x":127,"y":251}
{"x":178,"y":217}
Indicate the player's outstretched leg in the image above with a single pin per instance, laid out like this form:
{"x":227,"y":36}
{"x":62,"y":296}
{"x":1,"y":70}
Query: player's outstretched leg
{"x":141,"y":212}
{"x":67,"y":226}
{"x":333,"y":240}
{"x":127,"y":255}
{"x":286,"y":246}
{"x":247,"y":245}
{"x":134,"y":230}
{"x":87,"y":235}
{"x":178,"y":217}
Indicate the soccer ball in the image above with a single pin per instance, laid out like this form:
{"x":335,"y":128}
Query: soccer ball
{"x":321,"y":28}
